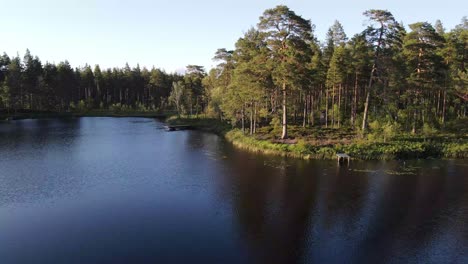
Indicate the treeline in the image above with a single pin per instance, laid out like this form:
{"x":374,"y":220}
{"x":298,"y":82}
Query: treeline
{"x":27,"y":84}
{"x":385,"y":78}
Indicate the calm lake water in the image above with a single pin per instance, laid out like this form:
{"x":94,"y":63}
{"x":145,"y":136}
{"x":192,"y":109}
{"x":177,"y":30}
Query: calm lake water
{"x":123,"y":190}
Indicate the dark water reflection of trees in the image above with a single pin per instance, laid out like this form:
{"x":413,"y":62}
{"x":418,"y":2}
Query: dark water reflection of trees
{"x":190,"y":196}
{"x":371,"y":212}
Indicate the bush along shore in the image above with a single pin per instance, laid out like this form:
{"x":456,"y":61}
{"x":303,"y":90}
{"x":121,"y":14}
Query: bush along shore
{"x":324,"y":143}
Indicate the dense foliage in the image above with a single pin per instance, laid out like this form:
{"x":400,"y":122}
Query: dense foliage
{"x":381,"y":82}
{"x":384,"y":79}
{"x":28,"y":85}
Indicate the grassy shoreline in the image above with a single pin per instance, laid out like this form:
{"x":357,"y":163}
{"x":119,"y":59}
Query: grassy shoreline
{"x":330,"y":143}
{"x":402,"y":147}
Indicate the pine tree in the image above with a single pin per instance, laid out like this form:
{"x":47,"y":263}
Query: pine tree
{"x":288,"y":37}
{"x":426,"y":70}
{"x":335,"y":78}
{"x":382,"y":34}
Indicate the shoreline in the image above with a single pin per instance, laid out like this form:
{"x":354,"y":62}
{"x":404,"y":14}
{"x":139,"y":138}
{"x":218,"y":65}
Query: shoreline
{"x":402,"y":149}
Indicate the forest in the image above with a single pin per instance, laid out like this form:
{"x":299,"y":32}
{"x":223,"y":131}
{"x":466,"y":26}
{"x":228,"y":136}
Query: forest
{"x":388,"y":79}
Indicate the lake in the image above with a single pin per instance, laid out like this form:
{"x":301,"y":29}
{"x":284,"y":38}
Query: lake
{"x":123,"y":190}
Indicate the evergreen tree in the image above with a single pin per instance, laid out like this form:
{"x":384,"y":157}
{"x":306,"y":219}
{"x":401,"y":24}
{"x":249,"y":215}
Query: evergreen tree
{"x":335,"y":78}
{"x":13,"y":86}
{"x":288,"y":37}
{"x":382,"y":34}
{"x":193,"y":81}
{"x":426,"y":71}
{"x":251,"y":75}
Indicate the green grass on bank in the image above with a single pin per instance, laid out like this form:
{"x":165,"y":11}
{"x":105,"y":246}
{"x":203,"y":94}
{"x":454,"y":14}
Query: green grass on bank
{"x":203,"y":123}
{"x":307,"y":143}
{"x":321,"y":143}
{"x":398,"y":149}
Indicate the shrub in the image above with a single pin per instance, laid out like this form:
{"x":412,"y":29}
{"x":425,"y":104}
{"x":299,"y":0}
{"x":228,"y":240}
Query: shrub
{"x":81,"y":107}
{"x":117,"y":107}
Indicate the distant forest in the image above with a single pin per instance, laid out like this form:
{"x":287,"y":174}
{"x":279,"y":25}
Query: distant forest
{"x":278,"y":74}
{"x":29,"y":84}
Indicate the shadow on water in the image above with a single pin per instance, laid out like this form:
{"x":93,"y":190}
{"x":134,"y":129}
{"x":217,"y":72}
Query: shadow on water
{"x":292,"y":211}
{"x":103,"y":190}
{"x":273,"y":209}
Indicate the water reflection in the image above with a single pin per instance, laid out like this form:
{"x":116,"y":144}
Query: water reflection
{"x":40,"y":145}
{"x":273,"y":210}
{"x":123,"y":190}
{"x":317,"y":212}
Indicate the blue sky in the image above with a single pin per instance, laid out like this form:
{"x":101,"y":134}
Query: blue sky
{"x":172,"y":34}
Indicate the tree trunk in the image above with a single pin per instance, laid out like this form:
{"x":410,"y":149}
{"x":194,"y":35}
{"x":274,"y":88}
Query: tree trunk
{"x":333,"y":107}
{"x":251,"y":119}
{"x":326,"y":107}
{"x":369,"y":87}
{"x":255,"y":119}
{"x":354,"y":105}
{"x":191,"y":107}
{"x":339,"y":104}
{"x":305,"y":112}
{"x":284,"y":135}
{"x":309,"y":108}
{"x":312,"y":121}
{"x":444,"y":107}
{"x":243,"y":119}
{"x":366,"y":108}
{"x":438,"y":103}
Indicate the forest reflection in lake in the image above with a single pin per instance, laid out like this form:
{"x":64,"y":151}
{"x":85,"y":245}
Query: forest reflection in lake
{"x":120,"y":190}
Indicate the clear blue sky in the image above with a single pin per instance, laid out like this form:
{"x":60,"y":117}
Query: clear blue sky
{"x":172,"y":34}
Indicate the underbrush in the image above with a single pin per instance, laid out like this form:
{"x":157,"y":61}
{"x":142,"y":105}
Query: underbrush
{"x":324,"y":143}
